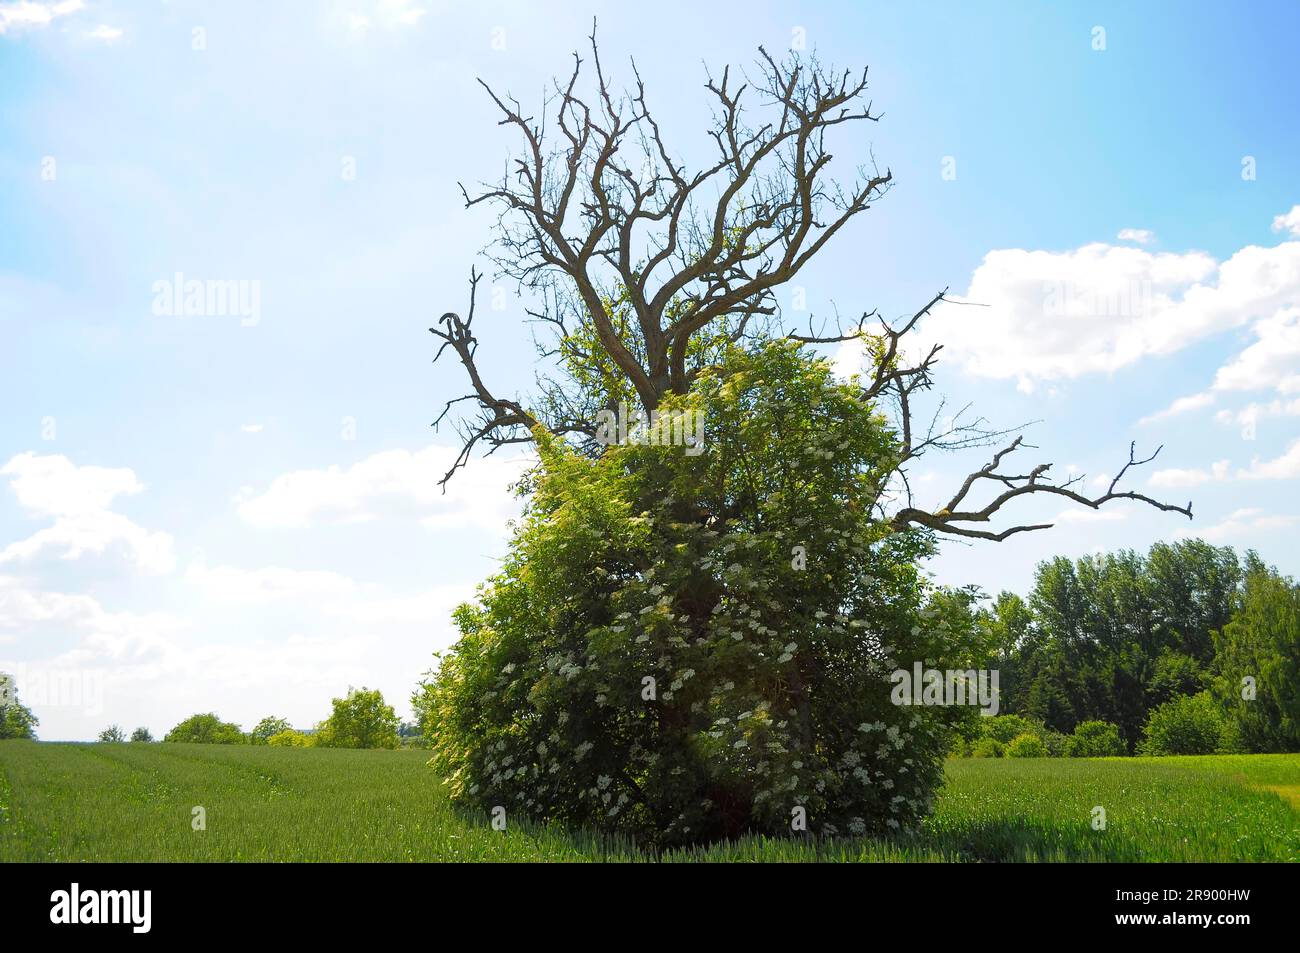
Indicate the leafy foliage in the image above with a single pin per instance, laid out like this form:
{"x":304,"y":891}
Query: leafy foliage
{"x":1095,"y":739}
{"x":206,"y":729}
{"x":684,"y":648}
{"x":360,"y":719}
{"x":113,"y":734}
{"x":16,"y":719}
{"x":1262,"y":643}
{"x":1188,"y":724}
{"x":267,"y":727}
{"x":1109,"y":637}
{"x":142,"y":735}
{"x":1028,"y":745}
{"x":290,"y":739}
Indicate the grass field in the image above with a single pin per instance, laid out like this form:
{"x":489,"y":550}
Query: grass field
{"x":133,"y":802}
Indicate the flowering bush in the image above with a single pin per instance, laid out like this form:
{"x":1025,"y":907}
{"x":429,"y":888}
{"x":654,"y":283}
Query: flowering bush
{"x":688,"y":647}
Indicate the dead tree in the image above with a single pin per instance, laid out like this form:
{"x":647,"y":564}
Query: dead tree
{"x":646,"y":269}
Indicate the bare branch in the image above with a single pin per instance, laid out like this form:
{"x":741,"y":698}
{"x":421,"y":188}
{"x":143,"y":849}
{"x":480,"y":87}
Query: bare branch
{"x":950,"y":519}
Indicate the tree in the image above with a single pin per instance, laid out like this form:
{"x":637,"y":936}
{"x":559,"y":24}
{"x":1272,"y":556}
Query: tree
{"x":112,"y":734}
{"x":1110,"y":636}
{"x":656,"y":287}
{"x":1257,"y":682}
{"x":16,"y":719}
{"x":142,"y":735}
{"x":206,"y":729}
{"x":360,"y":719}
{"x":268,"y":726}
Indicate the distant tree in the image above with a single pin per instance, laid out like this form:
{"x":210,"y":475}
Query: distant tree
{"x":113,"y":734}
{"x":16,"y":719}
{"x":1257,"y":684}
{"x":360,"y":719}
{"x":268,"y":726}
{"x":206,"y":729}
{"x":1109,"y":637}
{"x":141,"y":734}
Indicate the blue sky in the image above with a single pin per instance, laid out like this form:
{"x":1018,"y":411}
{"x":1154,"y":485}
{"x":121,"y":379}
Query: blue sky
{"x":238,"y":512}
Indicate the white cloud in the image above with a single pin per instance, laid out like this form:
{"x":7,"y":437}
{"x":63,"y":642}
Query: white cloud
{"x":55,"y":486}
{"x":1254,"y":412}
{"x":78,"y":498}
{"x":386,"y":14}
{"x":106,"y":33}
{"x":1099,"y":308}
{"x":251,"y":428}
{"x":72,"y":537}
{"x":229,"y":584}
{"x":101,"y":632}
{"x":395,"y":483}
{"x":1246,"y":520}
{"x":1180,"y":406}
{"x":1142,"y":236}
{"x":1288,"y":222}
{"x":31,"y":14}
{"x":1193,"y":477}
{"x":1272,"y":362}
{"x":1285,"y":467}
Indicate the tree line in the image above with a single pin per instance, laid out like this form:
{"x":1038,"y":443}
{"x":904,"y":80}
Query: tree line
{"x":360,"y":719}
{"x":1188,"y":649}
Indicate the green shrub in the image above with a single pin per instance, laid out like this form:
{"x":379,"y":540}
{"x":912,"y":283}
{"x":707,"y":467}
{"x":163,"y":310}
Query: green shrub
{"x":1027,"y":745}
{"x":988,"y":748}
{"x":1188,"y":724}
{"x":1055,"y":741}
{"x":1005,"y":728}
{"x":290,"y":739}
{"x":142,"y":735}
{"x":206,"y":729}
{"x":1095,"y":739}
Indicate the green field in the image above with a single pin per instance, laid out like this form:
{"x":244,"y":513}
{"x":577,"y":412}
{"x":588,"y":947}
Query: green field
{"x":133,"y":802}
